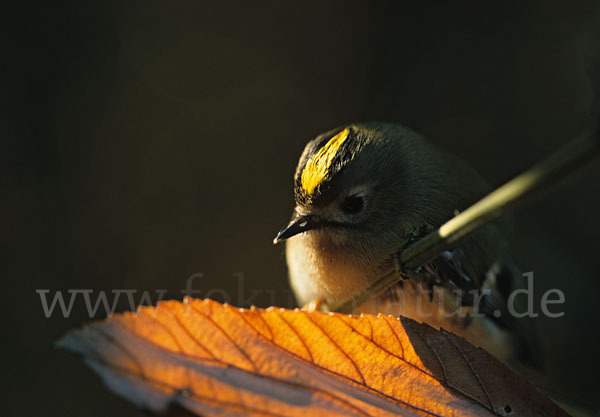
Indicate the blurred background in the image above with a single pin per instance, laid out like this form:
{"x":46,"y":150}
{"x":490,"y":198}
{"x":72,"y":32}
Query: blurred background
{"x":144,"y":142}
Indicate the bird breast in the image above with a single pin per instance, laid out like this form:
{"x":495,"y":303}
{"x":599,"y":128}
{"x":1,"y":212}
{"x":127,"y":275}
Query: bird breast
{"x":321,"y":266}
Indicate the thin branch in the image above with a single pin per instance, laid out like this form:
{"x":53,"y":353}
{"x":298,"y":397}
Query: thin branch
{"x":498,"y":203}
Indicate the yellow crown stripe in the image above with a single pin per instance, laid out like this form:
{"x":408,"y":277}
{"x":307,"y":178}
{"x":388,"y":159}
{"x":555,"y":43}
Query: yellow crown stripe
{"x":317,"y":166}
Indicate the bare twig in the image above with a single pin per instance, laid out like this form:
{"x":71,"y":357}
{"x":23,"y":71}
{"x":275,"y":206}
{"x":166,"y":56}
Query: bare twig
{"x":498,"y":203}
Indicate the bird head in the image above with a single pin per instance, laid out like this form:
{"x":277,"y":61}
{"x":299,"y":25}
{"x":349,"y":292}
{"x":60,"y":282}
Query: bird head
{"x":350,"y":187}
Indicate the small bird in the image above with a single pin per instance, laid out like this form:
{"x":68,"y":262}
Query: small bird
{"x":363,"y":192}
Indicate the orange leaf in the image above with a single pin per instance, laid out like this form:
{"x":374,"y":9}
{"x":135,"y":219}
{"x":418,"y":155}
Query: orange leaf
{"x":214,"y":359}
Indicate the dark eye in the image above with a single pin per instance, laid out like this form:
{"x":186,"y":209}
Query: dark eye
{"x":353,"y":204}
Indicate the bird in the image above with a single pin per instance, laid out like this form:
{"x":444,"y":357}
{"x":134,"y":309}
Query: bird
{"x":365,"y":191}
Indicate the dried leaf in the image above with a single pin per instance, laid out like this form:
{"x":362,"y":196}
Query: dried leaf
{"x":217,"y":360}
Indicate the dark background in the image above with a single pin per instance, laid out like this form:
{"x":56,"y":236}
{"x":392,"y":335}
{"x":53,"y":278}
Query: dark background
{"x":145,"y":141}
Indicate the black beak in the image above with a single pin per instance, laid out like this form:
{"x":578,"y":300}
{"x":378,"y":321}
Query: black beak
{"x":298,"y":225}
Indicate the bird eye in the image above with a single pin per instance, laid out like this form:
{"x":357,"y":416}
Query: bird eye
{"x":353,"y":204}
